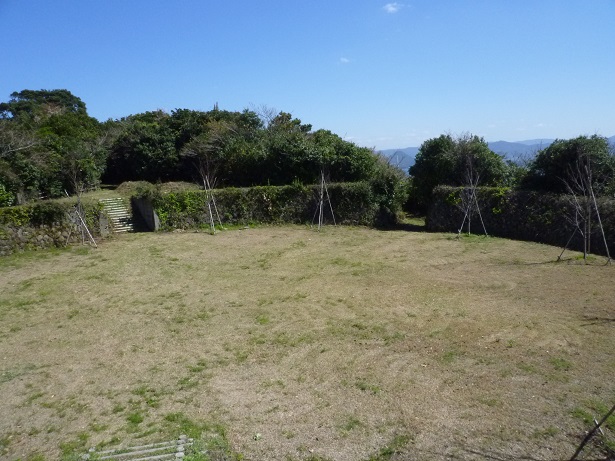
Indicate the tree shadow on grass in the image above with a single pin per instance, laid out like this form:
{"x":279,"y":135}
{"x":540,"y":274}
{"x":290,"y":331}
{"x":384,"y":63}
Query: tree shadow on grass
{"x":407,"y":227}
{"x":598,"y":321}
{"x":494,"y":455}
{"x":410,"y":224}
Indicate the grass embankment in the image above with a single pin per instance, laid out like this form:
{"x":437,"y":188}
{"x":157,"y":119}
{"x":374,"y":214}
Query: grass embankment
{"x":284,"y":343}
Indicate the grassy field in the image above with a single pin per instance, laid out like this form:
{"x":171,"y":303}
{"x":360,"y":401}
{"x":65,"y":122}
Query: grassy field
{"x":284,"y":343}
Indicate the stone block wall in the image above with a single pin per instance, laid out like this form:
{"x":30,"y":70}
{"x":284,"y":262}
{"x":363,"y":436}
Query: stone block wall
{"x":13,"y":239}
{"x":26,"y":228}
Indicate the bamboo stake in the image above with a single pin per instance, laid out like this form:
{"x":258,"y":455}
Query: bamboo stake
{"x":591,"y":433}
{"x":606,"y":245}
{"x":322,"y":187}
{"x":213,"y":200}
{"x":330,"y":204}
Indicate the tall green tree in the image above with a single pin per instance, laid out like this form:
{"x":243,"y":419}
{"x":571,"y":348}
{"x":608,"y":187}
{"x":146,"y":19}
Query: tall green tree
{"x":76,"y":150}
{"x":226,"y":144}
{"x":143,"y":150}
{"x":35,"y":104}
{"x":48,"y":144}
{"x":17,"y":142}
{"x":209,"y":151}
{"x":445,"y":160}
{"x":342,"y":160}
{"x":290,"y":156}
{"x":551,"y":168}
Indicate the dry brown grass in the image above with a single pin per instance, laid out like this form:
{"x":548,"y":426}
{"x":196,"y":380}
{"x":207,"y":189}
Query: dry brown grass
{"x":328,"y":345}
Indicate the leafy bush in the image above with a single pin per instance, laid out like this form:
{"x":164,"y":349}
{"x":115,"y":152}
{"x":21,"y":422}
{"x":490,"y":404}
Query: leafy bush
{"x":446,"y":161}
{"x":45,"y":214}
{"x":389,"y":192}
{"x":6,"y":197}
{"x":16,"y":216}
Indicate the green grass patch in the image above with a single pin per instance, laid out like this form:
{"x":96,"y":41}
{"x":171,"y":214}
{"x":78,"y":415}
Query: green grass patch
{"x":135,"y":418}
{"x":350,"y":423}
{"x":73,"y":449}
{"x":560,"y":364}
{"x":450,"y":357}
{"x":393,"y":448}
{"x":367,"y":387}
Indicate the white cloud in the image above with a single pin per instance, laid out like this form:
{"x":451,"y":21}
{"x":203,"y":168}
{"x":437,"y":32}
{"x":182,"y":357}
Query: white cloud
{"x":344,"y":60}
{"x":392,"y":7}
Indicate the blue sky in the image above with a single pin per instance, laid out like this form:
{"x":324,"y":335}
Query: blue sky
{"x":382,"y":74}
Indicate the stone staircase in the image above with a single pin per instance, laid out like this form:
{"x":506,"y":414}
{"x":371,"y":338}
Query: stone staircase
{"x":120,"y":217}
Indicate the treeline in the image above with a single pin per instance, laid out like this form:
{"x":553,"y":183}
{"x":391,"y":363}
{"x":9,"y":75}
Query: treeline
{"x":49,"y":144}
{"x":580,"y":167}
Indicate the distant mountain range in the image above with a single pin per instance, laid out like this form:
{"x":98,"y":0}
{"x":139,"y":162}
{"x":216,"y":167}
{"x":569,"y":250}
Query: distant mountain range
{"x":515,"y":151}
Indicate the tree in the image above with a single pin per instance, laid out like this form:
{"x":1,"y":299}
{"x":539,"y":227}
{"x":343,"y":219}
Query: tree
{"x":551,"y":166}
{"x":34,"y":104}
{"x":468,"y":196}
{"x":443,"y":161}
{"x":157,"y":146}
{"x":225,"y":146}
{"x":388,"y":184}
{"x":343,"y":160}
{"x":6,"y":197}
{"x":76,"y":146}
{"x":48,"y":144}
{"x":15,"y":138}
{"x":187,"y":124}
{"x":208,"y":151}
{"x":580,"y":186}
{"x":290,"y":155}
{"x":144,"y":150}
{"x":17,"y":145}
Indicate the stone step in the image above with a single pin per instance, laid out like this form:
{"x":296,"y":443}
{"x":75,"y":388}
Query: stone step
{"x":120,"y":217}
{"x":118,"y":213}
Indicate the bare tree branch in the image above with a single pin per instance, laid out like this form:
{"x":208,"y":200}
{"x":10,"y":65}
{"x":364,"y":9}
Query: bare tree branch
{"x":14,"y":140}
{"x":580,"y":184}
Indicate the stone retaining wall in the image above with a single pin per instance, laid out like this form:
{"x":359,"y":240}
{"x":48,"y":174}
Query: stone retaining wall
{"x":146,"y":211}
{"x":14,"y":239}
{"x":22,"y":234}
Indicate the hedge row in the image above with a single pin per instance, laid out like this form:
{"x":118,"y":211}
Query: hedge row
{"x":352,"y":203}
{"x":522,"y":215}
{"x":45,"y":214}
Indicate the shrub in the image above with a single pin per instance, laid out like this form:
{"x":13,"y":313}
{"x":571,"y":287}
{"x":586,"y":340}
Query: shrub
{"x":6,"y":197}
{"x":358,"y":203}
{"x":45,"y":214}
{"x":523,"y":215}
